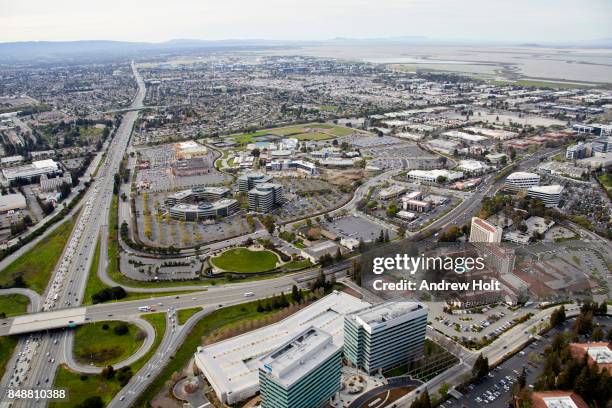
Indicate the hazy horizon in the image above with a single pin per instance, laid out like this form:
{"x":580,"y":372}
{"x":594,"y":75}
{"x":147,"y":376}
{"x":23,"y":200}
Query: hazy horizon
{"x":544,"y":21}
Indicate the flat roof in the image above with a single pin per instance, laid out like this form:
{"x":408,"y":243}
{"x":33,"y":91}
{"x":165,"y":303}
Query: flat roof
{"x":552,"y":189}
{"x":299,"y":356}
{"x":387,"y":314}
{"x":47,"y":320}
{"x":231,"y":365}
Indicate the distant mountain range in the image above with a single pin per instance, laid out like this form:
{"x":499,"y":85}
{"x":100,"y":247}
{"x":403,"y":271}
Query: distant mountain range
{"x":103,"y":49}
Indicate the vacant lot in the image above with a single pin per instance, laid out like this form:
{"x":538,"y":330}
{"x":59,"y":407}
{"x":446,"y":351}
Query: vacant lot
{"x":245,"y":260}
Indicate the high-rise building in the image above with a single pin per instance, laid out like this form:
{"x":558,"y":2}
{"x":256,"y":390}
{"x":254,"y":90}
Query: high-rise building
{"x":482,"y":231}
{"x":385,"y":336}
{"x":265,"y":196}
{"x":302,"y":373}
{"x":248,"y":181}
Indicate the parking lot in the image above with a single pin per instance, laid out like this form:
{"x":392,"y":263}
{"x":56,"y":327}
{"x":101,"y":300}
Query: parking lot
{"x":305,"y":197}
{"x":358,"y":228}
{"x":405,"y":156}
{"x":156,"y":228}
{"x":496,"y":390}
{"x":474,"y":326}
{"x":159,"y":176}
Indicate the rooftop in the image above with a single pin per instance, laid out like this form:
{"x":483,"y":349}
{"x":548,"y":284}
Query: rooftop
{"x":376,"y":317}
{"x":299,"y":356}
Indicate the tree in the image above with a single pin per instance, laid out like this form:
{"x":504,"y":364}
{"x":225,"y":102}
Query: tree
{"x":441,"y":179}
{"x":108,"y":372}
{"x":121,"y":329}
{"x":557,"y":317}
{"x":296,"y":294}
{"x":91,"y":402}
{"x":255,"y":152}
{"x":598,"y":334}
{"x":584,"y":323}
{"x":481,"y":367}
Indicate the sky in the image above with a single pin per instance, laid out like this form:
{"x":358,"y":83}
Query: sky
{"x":162,"y":20}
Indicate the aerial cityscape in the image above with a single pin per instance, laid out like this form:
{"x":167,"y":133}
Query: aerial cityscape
{"x":367,"y":216}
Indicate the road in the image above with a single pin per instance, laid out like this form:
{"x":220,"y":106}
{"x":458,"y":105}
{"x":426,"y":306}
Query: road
{"x":513,"y":339}
{"x":38,"y":355}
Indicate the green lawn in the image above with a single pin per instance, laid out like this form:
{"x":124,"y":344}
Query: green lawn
{"x":184,"y":314}
{"x":36,"y":265}
{"x":103,"y":347}
{"x":80,"y":387}
{"x":13,"y":305}
{"x":246,"y":261}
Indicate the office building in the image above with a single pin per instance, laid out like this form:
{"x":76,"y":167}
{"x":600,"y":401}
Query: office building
{"x":416,"y":205}
{"x":575,"y":152}
{"x":472,"y":167}
{"x":549,"y":195}
{"x":264,"y":197}
{"x":248,"y":181}
{"x":432,"y":176}
{"x":482,"y":231}
{"x":602,"y":145}
{"x":385,"y":336}
{"x":196,"y":194}
{"x":30,"y":171}
{"x":52,"y":184}
{"x":202,"y":211}
{"x":521,"y":180}
{"x":232,"y":366}
{"x":296,"y":165}
{"x":302,"y":373}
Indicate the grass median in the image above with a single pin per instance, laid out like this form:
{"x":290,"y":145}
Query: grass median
{"x":106,"y":343}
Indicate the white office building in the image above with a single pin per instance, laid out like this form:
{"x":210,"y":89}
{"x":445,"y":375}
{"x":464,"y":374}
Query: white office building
{"x":304,"y":372}
{"x":549,"y":195}
{"x":232,"y":366}
{"x":385,"y":336}
{"x":431,"y":176}
{"x":522,"y":180}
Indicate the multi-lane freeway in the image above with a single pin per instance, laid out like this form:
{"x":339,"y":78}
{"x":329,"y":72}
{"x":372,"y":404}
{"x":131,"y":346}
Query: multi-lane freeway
{"x":36,"y":356}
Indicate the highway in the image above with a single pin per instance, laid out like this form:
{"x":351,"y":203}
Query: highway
{"x":37,"y":355}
